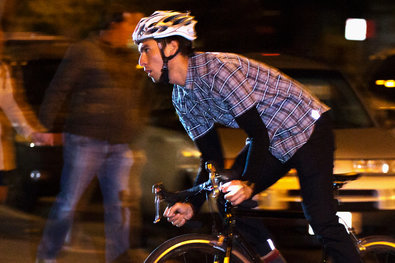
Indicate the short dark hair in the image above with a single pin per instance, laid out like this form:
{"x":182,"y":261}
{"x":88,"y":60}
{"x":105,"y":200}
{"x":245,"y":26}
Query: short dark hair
{"x":185,"y":45}
{"x":115,"y":17}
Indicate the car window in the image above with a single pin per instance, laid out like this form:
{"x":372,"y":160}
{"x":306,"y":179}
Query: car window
{"x":332,"y":89}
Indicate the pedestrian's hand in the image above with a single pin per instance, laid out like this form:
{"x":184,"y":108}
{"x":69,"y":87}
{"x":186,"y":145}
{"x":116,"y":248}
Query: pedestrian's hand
{"x":41,"y":138}
{"x":179,"y":213}
{"x":236,"y":191}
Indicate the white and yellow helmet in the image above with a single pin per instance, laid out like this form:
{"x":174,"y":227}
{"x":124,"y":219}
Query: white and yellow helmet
{"x":163,"y":24}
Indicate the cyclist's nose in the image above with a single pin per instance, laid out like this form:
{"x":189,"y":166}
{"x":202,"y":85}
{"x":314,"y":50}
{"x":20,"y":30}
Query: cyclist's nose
{"x":142,"y":60}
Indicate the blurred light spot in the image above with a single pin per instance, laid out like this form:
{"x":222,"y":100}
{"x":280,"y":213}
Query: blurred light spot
{"x":270,"y":54}
{"x":272,"y":247}
{"x":374,"y":166}
{"x":190,"y":153}
{"x":356,"y":29}
{"x":35,"y":175}
{"x":315,"y":114}
{"x":385,"y":168}
{"x":390,"y":83}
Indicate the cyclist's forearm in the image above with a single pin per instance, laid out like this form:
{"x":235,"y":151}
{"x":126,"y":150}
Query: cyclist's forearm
{"x":211,"y":150}
{"x":196,"y":197}
{"x":258,"y":145}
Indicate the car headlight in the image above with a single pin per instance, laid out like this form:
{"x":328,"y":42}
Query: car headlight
{"x":365,"y":166}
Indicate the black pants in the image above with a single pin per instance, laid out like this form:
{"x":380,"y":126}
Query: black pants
{"x":314,"y":164}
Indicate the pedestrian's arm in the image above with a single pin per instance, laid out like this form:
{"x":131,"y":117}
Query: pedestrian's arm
{"x":10,"y":106}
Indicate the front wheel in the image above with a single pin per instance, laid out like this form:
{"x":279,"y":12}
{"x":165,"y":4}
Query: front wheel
{"x":380,"y":249}
{"x":193,"y":248}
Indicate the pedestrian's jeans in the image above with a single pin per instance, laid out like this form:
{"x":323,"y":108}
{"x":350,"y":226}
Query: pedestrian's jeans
{"x":85,"y":158}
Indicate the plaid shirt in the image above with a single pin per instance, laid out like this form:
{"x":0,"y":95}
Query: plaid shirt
{"x":222,"y":86}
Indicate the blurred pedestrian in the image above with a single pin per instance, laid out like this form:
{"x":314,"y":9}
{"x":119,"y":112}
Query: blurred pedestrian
{"x":12,"y":115}
{"x":99,"y":76}
{"x":287,"y":127}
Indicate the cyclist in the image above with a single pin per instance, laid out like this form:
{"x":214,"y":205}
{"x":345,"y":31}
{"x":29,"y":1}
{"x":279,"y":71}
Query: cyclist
{"x":287,"y":127}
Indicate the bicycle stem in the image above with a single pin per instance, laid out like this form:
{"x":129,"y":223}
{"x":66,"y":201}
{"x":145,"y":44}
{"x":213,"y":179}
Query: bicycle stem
{"x":213,"y":178}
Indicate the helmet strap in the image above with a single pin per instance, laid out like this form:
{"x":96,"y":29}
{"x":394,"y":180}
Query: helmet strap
{"x":164,"y":77}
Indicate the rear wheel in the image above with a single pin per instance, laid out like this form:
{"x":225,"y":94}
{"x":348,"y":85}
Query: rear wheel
{"x":380,"y":249}
{"x":193,"y":248}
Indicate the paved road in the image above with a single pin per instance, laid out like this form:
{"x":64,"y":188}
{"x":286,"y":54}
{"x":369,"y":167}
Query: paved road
{"x":20,"y":233}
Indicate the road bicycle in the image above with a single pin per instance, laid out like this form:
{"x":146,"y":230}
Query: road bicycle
{"x":228,"y":245}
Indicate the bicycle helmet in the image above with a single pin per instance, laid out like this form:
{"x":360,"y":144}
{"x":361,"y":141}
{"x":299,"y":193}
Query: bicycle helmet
{"x":163,"y":24}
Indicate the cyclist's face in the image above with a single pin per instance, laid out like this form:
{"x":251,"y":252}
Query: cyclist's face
{"x":151,"y":59}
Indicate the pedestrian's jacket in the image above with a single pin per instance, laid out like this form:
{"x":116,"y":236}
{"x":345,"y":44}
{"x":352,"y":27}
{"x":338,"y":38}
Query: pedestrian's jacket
{"x":100,"y":87}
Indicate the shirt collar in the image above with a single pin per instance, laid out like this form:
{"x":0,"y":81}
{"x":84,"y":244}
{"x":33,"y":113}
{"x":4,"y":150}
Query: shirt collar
{"x":191,"y":73}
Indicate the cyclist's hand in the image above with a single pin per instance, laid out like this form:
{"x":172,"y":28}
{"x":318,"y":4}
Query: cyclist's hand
{"x":179,"y":213}
{"x":236,"y":191}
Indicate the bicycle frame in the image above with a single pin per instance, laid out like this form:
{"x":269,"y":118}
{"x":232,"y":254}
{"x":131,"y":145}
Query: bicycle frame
{"x":232,"y":234}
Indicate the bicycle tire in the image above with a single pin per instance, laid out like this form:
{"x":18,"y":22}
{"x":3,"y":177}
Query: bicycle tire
{"x":193,"y":248}
{"x":380,"y":249}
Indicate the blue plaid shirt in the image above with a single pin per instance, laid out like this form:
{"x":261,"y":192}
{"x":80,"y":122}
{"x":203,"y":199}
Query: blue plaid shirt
{"x":221,"y":86}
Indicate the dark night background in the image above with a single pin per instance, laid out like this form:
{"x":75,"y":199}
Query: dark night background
{"x":306,"y":27}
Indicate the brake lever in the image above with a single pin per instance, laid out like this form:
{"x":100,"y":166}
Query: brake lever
{"x":156,"y":189}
